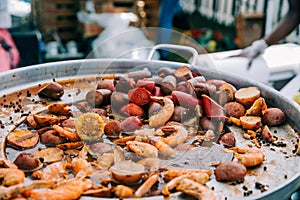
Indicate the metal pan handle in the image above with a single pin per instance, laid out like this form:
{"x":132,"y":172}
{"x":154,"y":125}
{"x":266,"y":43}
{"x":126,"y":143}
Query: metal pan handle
{"x":176,"y":47}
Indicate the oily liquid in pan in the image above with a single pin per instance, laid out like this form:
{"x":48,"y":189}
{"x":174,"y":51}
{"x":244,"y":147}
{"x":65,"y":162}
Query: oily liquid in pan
{"x":280,"y":165}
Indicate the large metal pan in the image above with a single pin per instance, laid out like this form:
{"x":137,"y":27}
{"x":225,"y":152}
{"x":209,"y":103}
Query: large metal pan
{"x":23,"y":78}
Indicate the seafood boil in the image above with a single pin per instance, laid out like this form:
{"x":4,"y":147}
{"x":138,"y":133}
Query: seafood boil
{"x":143,"y":134}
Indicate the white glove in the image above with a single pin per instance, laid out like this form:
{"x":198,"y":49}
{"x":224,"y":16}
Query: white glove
{"x":256,"y":48}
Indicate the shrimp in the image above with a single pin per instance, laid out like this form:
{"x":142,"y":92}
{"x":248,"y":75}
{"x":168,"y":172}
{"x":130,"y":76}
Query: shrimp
{"x":55,"y":170}
{"x":4,"y":162}
{"x":66,"y":132}
{"x":178,"y":137}
{"x":171,"y":174}
{"x":143,"y":149}
{"x":248,"y":156}
{"x":161,"y":146}
{"x":80,"y":164}
{"x":146,"y":186}
{"x":59,"y":109}
{"x":123,"y":140}
{"x":68,"y":189}
{"x":102,"y":191}
{"x":123,"y":191}
{"x":106,"y":160}
{"x":195,"y":189}
{"x":13,"y":191}
{"x":164,"y":114}
{"x":199,"y":177}
{"x":70,"y":145}
{"x":11,"y":176}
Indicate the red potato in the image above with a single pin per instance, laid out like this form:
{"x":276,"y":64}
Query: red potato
{"x":230,"y":171}
{"x":98,"y":97}
{"x":273,"y":117}
{"x":234,"y":109}
{"x":227,"y":140}
{"x":132,"y":109}
{"x":112,"y":128}
{"x":154,"y":107}
{"x":185,"y":100}
{"x":106,"y":84}
{"x":52,"y":90}
{"x":139,"y":96}
{"x":118,"y":99}
{"x":27,"y":161}
{"x":131,"y":124}
{"x":212,"y":108}
{"x":125,"y":84}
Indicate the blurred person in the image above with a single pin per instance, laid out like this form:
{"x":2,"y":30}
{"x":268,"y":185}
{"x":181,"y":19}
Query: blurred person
{"x":285,"y":26}
{"x":9,"y":54}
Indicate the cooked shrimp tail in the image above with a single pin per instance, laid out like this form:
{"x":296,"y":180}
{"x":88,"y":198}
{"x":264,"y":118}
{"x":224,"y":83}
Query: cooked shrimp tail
{"x":163,"y":115}
{"x":248,"y":156}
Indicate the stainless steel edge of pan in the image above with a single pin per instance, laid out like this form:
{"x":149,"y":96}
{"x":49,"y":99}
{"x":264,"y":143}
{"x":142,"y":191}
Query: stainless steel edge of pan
{"x":22,"y":78}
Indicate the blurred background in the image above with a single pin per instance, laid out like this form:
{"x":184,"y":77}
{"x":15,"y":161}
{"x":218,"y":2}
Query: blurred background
{"x":217,"y":25}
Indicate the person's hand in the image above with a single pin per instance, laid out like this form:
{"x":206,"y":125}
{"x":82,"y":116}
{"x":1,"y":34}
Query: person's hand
{"x":256,"y":48}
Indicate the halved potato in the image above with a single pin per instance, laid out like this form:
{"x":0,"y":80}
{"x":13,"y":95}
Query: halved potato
{"x":50,"y":155}
{"x":127,"y":172}
{"x":251,"y":122}
{"x":247,"y":96}
{"x":22,"y":138}
{"x":45,"y":119}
